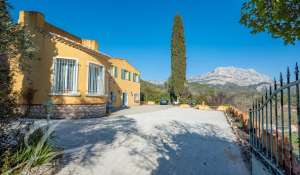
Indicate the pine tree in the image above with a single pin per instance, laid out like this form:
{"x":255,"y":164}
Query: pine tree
{"x":178,"y":60}
{"x":14,"y":40}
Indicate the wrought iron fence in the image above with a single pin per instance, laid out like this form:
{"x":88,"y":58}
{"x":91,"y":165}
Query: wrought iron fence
{"x":274,"y":122}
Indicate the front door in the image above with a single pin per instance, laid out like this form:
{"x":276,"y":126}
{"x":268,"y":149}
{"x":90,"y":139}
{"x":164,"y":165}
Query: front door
{"x":125,"y":98}
{"x":112,"y":97}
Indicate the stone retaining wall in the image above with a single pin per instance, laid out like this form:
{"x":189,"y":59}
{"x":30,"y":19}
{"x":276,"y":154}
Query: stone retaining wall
{"x":68,"y":111}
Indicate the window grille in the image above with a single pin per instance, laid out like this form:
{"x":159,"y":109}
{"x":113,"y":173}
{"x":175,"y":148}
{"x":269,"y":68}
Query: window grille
{"x":65,"y":76}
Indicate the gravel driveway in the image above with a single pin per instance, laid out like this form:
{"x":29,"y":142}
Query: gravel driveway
{"x":156,"y":141}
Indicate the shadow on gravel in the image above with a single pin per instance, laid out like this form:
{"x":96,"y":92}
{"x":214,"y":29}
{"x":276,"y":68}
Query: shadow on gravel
{"x":192,"y":149}
{"x":175,"y":148}
{"x":86,"y":138}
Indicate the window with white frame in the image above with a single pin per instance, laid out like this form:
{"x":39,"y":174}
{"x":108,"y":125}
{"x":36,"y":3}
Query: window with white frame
{"x":129,"y":76}
{"x":126,"y":75}
{"x":136,"y":97}
{"x":123,"y":74}
{"x":112,"y":97}
{"x":96,"y":84}
{"x":111,"y":70}
{"x":65,"y":76}
{"x":115,"y":72}
{"x":134,"y":77}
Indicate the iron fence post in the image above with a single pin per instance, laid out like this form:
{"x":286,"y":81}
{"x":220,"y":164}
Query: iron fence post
{"x":276,"y":122}
{"x":250,"y":127}
{"x":298,"y":107}
{"x":271,"y":124}
{"x":282,"y":121}
{"x":253,"y":125}
{"x":289,"y":121}
{"x":258,"y":118}
{"x":262,"y":123}
{"x":259,"y":127}
{"x":267,"y":129}
{"x":256,"y":125}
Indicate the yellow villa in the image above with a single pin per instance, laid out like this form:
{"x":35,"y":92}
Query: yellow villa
{"x":124,"y":84}
{"x":69,"y":72}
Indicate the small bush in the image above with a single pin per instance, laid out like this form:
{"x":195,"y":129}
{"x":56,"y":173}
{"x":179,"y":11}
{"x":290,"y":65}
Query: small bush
{"x":38,"y":150}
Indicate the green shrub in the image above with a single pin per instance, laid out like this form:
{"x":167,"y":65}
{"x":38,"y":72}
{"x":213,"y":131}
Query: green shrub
{"x":37,"y":151}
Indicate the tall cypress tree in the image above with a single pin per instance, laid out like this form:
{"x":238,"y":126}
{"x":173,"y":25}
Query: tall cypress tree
{"x":178,"y":60}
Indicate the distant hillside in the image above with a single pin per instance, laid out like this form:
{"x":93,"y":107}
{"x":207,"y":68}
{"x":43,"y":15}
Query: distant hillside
{"x":230,"y":77}
{"x":152,"y":92}
{"x":239,"y":96}
{"x":224,"y":85}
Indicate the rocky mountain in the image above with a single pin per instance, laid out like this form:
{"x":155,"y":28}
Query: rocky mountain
{"x":157,"y":82}
{"x":224,"y":85}
{"x":233,"y":75}
{"x":228,"y":78}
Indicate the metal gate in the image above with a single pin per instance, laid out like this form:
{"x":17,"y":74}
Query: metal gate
{"x":274,"y":122}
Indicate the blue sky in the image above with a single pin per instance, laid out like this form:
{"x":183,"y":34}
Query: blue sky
{"x":140,"y":30}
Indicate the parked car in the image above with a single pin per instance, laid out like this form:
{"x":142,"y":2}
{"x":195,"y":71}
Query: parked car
{"x":163,"y":102}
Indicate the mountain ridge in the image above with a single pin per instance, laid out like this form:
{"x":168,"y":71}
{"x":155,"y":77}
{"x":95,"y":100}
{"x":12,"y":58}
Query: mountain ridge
{"x":234,"y":75}
{"x":229,"y":76}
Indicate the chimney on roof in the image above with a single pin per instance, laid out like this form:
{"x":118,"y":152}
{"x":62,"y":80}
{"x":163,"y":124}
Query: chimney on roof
{"x":31,"y":19}
{"x":92,"y":44}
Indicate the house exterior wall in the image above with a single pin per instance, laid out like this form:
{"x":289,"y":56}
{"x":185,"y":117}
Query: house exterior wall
{"x":39,"y":79}
{"x":119,"y":86}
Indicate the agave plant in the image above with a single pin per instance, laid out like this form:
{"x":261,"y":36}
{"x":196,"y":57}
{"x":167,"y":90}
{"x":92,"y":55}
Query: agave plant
{"x":37,"y":149}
